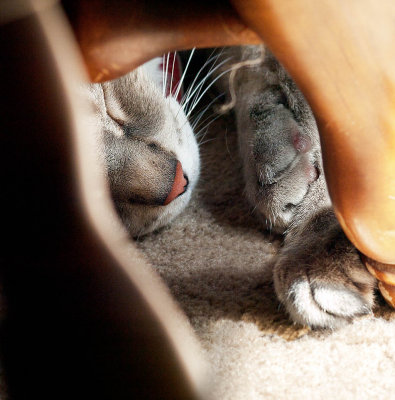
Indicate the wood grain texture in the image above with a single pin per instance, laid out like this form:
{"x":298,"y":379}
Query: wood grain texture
{"x":342,"y":55}
{"x":116,"y":37}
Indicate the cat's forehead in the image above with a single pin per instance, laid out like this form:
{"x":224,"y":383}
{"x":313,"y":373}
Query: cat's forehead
{"x":132,"y":102}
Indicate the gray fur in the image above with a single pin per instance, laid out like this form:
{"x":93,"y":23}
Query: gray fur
{"x":143,"y":135}
{"x":318,"y":275}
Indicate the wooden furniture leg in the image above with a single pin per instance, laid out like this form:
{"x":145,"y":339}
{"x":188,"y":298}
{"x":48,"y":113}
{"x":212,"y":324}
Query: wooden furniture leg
{"x":341,"y":54}
{"x":85,"y":317}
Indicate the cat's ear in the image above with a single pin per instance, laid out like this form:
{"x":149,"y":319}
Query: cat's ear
{"x":114,"y":106}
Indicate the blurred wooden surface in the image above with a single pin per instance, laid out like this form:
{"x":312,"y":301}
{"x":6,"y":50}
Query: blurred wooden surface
{"x":117,"y":36}
{"x":85,"y":316}
{"x":342,"y":55}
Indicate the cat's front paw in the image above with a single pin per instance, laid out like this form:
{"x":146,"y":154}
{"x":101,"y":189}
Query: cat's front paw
{"x":320,"y":279}
{"x":282,"y":163}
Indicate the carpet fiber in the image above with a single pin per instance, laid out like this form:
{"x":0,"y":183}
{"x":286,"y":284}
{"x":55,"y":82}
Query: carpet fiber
{"x":216,"y":259}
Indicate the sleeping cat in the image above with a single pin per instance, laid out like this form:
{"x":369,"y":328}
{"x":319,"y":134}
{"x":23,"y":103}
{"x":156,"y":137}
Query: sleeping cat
{"x":147,"y":145}
{"x":152,"y":161}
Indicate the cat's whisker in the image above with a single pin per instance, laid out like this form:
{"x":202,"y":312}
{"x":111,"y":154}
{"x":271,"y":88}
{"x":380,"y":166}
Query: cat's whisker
{"x":195,"y":96}
{"x":201,"y":113}
{"x":202,"y":122}
{"x":206,"y":129}
{"x":186,"y":120}
{"x":197,"y":87}
{"x":188,"y":95}
{"x":206,"y":141}
{"x":166,"y":69}
{"x":213,"y":68}
{"x":191,"y":86}
{"x":207,"y":88}
{"x":199,"y":116}
{"x":163,"y":76}
{"x":226,"y":144}
{"x":211,"y":120}
{"x":184,"y":73}
{"x":193,"y":126}
{"x":212,"y":117}
{"x":172,"y":73}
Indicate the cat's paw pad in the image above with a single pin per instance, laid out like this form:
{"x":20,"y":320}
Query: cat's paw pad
{"x":284,"y":167}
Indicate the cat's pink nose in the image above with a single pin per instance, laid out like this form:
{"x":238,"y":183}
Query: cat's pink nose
{"x":179,"y":185}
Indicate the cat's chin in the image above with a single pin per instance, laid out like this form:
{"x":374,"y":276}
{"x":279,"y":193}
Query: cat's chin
{"x":141,"y":220}
{"x":168,"y":213}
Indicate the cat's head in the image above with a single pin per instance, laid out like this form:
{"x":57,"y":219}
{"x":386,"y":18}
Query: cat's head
{"x":148,"y":148}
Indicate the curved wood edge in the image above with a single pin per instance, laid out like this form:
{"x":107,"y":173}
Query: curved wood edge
{"x":85,"y":315}
{"x":116,"y":37}
{"x":385,"y":274}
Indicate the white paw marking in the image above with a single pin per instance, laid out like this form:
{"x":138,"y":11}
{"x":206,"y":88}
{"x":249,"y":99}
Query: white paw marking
{"x":323,"y":306}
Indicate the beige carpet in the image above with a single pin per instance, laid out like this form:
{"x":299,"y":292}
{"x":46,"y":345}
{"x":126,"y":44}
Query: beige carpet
{"x":216,"y":260}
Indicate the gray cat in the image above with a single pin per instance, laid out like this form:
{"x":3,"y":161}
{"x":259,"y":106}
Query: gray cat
{"x":318,"y":274}
{"x":148,"y":148}
{"x":147,"y":141}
